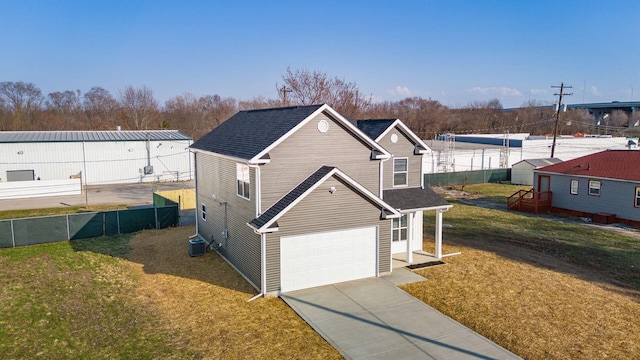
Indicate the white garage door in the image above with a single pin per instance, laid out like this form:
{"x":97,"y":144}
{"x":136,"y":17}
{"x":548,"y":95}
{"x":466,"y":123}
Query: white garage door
{"x":326,"y":258}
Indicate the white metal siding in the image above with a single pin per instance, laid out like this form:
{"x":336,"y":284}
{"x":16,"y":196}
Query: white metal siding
{"x":100,"y":162}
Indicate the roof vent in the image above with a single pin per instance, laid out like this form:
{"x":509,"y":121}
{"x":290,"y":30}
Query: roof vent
{"x":118,"y":128}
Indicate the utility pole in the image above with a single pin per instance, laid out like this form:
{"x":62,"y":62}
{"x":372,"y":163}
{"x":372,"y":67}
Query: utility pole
{"x":555,"y":128}
{"x":284,"y":90}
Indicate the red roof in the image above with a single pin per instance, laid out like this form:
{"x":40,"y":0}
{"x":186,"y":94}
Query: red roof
{"x":612,"y":164}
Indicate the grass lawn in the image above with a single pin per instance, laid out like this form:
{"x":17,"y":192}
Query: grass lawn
{"x":541,"y":288}
{"x":16,"y":214}
{"x":140,"y":297}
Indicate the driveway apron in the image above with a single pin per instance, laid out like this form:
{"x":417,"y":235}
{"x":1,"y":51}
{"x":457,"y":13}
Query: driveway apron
{"x":373,"y":319}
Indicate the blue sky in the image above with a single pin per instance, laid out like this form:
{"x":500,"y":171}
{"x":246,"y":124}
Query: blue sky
{"x":451,"y":51}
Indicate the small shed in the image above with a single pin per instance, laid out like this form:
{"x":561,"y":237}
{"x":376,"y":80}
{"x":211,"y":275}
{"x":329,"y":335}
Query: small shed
{"x":522,"y":171}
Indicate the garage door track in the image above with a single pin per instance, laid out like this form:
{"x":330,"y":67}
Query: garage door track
{"x":373,"y":319}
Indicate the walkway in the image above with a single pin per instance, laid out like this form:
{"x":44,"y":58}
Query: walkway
{"x":373,"y":319}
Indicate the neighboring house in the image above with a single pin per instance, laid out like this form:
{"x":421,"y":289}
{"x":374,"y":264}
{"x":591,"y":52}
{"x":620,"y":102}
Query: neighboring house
{"x":299,"y":197}
{"x":522,"y":171}
{"x":605,"y":185}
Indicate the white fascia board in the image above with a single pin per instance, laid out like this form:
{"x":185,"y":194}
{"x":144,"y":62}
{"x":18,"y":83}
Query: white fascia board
{"x":425,"y":209}
{"x":257,"y":159}
{"x":233,"y":158}
{"x":405,"y":129}
{"x":368,"y":193}
{"x":266,"y":226}
{"x":343,"y":176}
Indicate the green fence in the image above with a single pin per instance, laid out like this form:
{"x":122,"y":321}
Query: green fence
{"x":467,"y":177}
{"x":29,"y":231}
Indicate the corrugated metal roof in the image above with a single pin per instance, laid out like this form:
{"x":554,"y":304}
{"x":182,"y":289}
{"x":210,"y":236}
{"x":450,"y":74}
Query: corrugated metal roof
{"x":77,"y":136}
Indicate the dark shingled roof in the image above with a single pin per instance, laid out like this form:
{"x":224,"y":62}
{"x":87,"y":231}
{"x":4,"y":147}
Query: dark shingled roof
{"x":374,"y":127}
{"x":290,"y":197}
{"x":611,"y":164}
{"x":413,"y":198}
{"x":247,"y":133}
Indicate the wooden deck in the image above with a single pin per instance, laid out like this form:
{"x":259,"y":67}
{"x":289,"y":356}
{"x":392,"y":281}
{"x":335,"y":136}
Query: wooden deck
{"x":530,"y":201}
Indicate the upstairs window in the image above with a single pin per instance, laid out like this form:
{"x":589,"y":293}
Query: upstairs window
{"x":400,"y":173}
{"x":594,"y":187}
{"x":399,"y":228}
{"x":574,"y":187}
{"x":242,"y":181}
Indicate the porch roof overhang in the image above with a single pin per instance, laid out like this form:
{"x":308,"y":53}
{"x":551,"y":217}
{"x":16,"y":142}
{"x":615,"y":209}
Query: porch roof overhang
{"x":415,"y":199}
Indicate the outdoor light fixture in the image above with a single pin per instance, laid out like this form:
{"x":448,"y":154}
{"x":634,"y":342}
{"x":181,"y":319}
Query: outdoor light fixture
{"x":20,"y":152}
{"x":332,"y":189}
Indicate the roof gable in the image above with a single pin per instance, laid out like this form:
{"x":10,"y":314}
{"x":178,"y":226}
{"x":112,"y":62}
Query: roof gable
{"x":378,"y":128}
{"x":611,"y":164}
{"x":267,"y":221}
{"x":250,"y":135}
{"x":539,"y":162}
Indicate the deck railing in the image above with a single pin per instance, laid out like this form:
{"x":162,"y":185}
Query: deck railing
{"x":530,"y":201}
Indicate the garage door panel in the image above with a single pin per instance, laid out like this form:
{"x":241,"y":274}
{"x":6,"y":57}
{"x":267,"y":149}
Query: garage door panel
{"x":326,"y":258}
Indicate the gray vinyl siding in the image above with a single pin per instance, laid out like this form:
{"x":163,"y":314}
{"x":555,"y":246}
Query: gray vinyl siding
{"x":217,"y":176}
{"x":403,"y":148}
{"x":616,"y":197}
{"x":322,"y":211}
{"x":305,"y":151}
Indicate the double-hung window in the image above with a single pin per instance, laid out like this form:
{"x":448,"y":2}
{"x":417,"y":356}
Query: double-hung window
{"x":594,"y":187}
{"x":637,"y":197}
{"x":574,"y":187}
{"x":400,"y":171}
{"x":242,"y":181}
{"x":399,"y":228}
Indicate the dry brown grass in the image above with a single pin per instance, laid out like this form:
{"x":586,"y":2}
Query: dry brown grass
{"x":203,"y":301}
{"x":536,"y":312}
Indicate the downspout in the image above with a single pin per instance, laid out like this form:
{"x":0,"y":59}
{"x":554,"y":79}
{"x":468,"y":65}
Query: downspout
{"x":195,"y":171}
{"x":381,"y":176}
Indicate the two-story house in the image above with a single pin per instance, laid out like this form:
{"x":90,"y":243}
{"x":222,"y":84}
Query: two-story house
{"x":299,"y":197}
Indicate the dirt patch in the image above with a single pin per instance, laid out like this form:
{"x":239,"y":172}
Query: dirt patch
{"x":204,"y":302}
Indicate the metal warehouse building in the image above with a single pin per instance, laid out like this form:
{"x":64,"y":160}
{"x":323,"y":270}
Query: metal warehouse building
{"x":97,"y":157}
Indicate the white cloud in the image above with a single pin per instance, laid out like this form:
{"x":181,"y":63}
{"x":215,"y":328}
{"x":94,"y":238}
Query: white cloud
{"x":502,"y":90}
{"x":538,"y":91}
{"x":400,"y":90}
{"x":593,"y":90}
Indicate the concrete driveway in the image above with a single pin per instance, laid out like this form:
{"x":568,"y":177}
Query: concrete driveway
{"x":374,"y":319}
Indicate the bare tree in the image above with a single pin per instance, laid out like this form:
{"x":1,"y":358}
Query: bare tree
{"x":24,"y":100}
{"x":100,"y":108}
{"x":65,"y":108}
{"x":139,"y":107}
{"x":307,"y":88}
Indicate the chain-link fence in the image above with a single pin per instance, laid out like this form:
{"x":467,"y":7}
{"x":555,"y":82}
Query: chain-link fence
{"x":38,"y":230}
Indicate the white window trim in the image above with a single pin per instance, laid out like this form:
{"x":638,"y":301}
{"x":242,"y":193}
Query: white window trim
{"x":203,"y":212}
{"x":400,"y":228}
{"x":243,"y":176}
{"x":571,"y":189}
{"x":599,"y":187}
{"x":637,"y":198}
{"x":406,"y":172}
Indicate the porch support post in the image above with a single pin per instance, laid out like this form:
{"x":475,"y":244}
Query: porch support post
{"x":409,"y":257}
{"x":439,"y":233}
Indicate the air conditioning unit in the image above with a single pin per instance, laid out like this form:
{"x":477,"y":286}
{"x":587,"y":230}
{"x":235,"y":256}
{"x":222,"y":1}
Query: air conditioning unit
{"x":197,"y":247}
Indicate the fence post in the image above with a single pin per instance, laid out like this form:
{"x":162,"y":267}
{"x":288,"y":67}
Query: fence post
{"x":13,"y":234}
{"x":155,"y":212}
{"x":68,"y":232}
{"x":104,"y":224}
{"x":118,"y":220}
